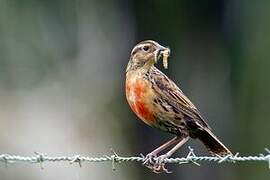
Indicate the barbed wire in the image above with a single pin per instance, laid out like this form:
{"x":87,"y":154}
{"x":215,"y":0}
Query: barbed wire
{"x":114,"y":158}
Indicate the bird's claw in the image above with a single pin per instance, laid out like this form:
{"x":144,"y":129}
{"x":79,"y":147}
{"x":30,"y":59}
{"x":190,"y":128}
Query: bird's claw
{"x":159,"y":165}
{"x":149,"y":159}
{"x":159,"y":168}
{"x":156,"y":164}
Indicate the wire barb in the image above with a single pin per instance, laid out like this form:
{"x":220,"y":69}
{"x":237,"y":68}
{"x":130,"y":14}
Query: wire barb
{"x":191,"y":157}
{"x":114,"y":158}
{"x":268,"y":157}
{"x":40,"y":158}
{"x":3,"y":156}
{"x":77,"y":159}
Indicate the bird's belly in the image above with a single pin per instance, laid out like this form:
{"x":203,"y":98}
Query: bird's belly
{"x":139,"y":96}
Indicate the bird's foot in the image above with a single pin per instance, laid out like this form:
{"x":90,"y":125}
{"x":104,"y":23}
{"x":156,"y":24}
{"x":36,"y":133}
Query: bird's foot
{"x":156,"y":164}
{"x":159,"y":165}
{"x":149,"y":159}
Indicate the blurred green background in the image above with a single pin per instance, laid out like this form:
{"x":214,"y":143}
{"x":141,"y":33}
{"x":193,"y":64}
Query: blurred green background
{"x":62,"y":72}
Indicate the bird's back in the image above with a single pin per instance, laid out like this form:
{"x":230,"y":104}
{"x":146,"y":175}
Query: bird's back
{"x":173,"y":103}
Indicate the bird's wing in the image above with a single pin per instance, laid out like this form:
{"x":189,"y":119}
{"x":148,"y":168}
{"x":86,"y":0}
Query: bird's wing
{"x":172,"y":94}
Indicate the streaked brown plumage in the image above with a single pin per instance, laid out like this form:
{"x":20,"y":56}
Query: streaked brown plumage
{"x":158,"y":101}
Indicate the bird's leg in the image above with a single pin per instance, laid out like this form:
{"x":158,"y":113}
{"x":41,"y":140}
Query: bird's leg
{"x":149,"y":158}
{"x":159,"y":164}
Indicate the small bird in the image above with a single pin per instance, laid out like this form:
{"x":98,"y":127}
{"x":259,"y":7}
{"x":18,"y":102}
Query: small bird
{"x":158,"y":102}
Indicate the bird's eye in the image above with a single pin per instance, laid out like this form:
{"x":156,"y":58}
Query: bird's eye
{"x":145,"y":48}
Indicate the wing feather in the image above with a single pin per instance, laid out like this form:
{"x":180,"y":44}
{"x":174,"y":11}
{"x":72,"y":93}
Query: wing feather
{"x":173,"y":95}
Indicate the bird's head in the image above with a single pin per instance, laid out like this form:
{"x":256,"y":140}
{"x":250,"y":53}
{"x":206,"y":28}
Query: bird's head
{"x":146,"y":54}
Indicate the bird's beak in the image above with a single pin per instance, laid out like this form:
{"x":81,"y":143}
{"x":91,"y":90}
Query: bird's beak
{"x":162,"y":51}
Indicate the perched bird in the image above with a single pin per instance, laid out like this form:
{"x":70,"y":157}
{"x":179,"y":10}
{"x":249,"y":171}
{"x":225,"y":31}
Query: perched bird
{"x":158,"y":102}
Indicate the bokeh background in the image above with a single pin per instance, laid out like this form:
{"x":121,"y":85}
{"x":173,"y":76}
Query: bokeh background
{"x":62,"y":73}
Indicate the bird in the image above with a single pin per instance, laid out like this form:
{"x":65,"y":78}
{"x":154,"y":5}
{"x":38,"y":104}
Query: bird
{"x":161,"y":104}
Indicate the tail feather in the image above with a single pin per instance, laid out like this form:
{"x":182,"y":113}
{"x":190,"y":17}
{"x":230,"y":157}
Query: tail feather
{"x":213,"y":145}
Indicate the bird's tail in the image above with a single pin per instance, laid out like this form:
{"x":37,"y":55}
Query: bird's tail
{"x":214,"y":146}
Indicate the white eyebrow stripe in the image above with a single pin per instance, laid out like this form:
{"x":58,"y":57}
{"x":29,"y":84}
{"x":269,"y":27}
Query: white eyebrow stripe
{"x":141,"y":45}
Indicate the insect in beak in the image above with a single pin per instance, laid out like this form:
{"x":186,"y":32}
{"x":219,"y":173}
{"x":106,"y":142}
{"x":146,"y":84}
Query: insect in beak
{"x":165,"y":53}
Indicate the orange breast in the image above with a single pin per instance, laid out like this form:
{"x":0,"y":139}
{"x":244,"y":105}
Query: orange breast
{"x":139,"y":94}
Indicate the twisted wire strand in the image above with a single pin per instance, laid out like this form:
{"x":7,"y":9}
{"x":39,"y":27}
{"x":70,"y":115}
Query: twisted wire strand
{"x":190,"y":158}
